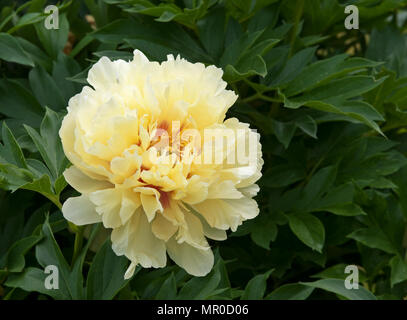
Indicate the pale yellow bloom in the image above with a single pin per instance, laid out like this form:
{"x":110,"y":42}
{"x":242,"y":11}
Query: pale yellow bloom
{"x":154,"y":208}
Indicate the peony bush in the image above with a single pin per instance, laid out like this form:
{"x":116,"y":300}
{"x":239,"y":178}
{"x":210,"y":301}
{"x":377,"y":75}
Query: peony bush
{"x":211,"y":149}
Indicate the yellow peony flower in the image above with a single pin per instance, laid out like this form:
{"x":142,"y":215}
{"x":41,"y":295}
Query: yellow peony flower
{"x":135,"y":141}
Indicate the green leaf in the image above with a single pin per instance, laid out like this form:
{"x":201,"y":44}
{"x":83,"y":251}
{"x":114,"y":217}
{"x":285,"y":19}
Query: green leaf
{"x":168,"y":290}
{"x":200,"y":288}
{"x":338,"y":286}
{"x":33,"y":279}
{"x":211,"y":32}
{"x":43,"y":186}
{"x":12,"y":177}
{"x":283,"y":175}
{"x":308,"y":228}
{"x":338,"y":200}
{"x":106,"y":274}
{"x":373,"y":237}
{"x":26,"y":20}
{"x":388,"y":44}
{"x":284,"y":131}
{"x":263,"y":233}
{"x":11,"y":51}
{"x":333,"y":98}
{"x":42,"y":85}
{"x":18,"y":103}
{"x":166,"y":12}
{"x":49,"y":144}
{"x":338,"y":272}
{"x":243,"y":57}
{"x":48,"y":253}
{"x":318,"y":184}
{"x":398,"y":270}
{"x":53,"y":40}
{"x":63,"y":68}
{"x":337,"y":91}
{"x":308,"y":125}
{"x":10,"y":151}
{"x":154,"y":40}
{"x":291,"y":291}
{"x":346,"y":210}
{"x":292,"y":68}
{"x":256,"y":287}
{"x":14,"y":259}
{"x":321,"y":71}
{"x":34,"y":53}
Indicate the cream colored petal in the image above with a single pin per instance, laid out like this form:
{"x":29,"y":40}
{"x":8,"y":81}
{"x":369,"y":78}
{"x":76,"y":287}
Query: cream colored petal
{"x":130,"y":202}
{"x":248,"y":142}
{"x":83,"y":183}
{"x":173,"y":213}
{"x":139,"y":58}
{"x":151,"y":202}
{"x":130,"y":270}
{"x":120,"y":239}
{"x":225,"y":214}
{"x":138,"y":243}
{"x":105,"y":73}
{"x":250,"y":191}
{"x":195,"y":261}
{"x":224,"y":190}
{"x":80,"y":211}
{"x":162,"y":228}
{"x":191,"y":232}
{"x":196,"y":190}
{"x":209,"y":232}
{"x":108,"y":204}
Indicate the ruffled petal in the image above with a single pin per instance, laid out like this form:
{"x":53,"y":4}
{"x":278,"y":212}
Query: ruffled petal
{"x":150,"y":199}
{"x":137,"y":241}
{"x":108,"y":204}
{"x":162,"y":228}
{"x":191,"y":232}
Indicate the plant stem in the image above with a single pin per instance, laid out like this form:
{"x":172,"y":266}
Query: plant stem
{"x":78,"y":244}
{"x":261,"y":96}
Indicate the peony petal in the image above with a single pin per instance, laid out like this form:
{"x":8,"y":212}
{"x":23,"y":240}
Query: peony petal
{"x":83,"y":183}
{"x":196,"y":190}
{"x":139,"y":57}
{"x":150,"y":199}
{"x":130,"y":270}
{"x":224,"y":190}
{"x":225,"y":214}
{"x":162,"y":228}
{"x":80,"y":211}
{"x":209,"y":232}
{"x":105,"y":73}
{"x":195,"y":261}
{"x":130,"y":202}
{"x":250,"y":191}
{"x":138,"y":243}
{"x":191,"y":232}
{"x":108,"y":203}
